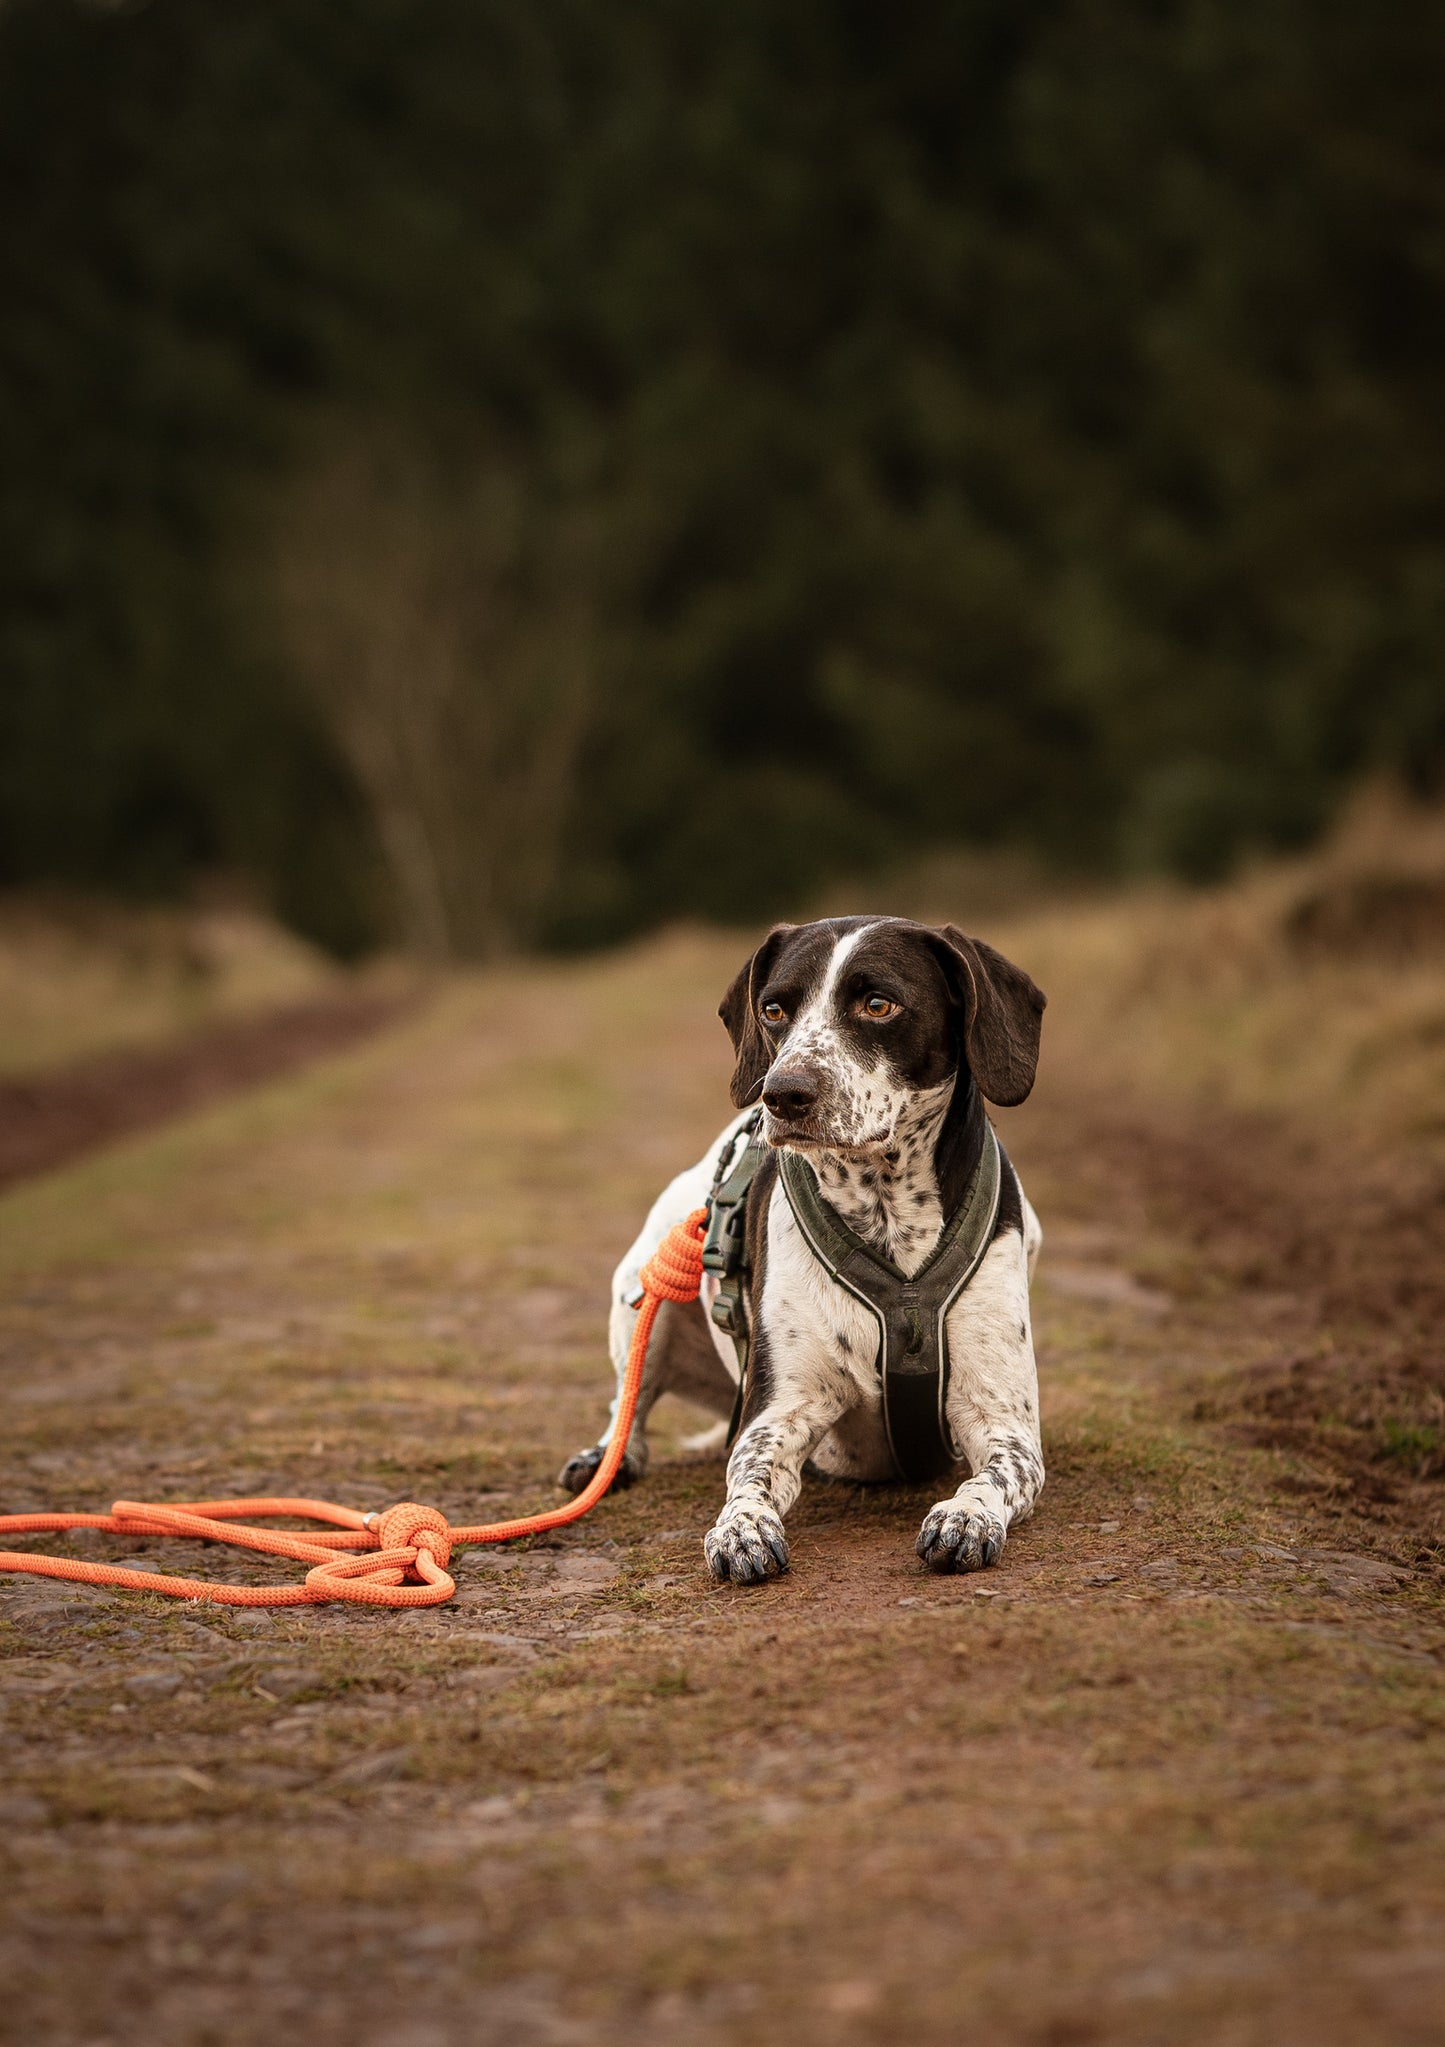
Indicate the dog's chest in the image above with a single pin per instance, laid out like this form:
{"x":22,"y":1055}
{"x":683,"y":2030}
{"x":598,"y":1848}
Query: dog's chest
{"x":895,"y":1208}
{"x":822,"y":1345}
{"x":890,"y":1197}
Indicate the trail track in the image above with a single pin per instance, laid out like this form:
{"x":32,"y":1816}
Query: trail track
{"x":1171,"y":1773}
{"x":48,"y":1119}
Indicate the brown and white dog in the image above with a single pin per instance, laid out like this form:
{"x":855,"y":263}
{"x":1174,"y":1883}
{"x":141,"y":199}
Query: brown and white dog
{"x":869,"y":1041}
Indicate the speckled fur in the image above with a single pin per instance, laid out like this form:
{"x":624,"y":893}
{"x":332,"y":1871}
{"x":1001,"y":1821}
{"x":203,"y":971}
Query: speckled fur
{"x":889,"y":1194}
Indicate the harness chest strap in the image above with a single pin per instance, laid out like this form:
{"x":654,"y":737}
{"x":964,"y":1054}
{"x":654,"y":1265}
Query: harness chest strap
{"x":725,"y":1247}
{"x":911,"y":1313}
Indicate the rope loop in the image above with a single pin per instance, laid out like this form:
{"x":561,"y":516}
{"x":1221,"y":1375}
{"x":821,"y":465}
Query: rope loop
{"x":674,"y":1271}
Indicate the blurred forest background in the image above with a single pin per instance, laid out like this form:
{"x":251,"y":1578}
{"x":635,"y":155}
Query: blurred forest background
{"x":497,"y":477}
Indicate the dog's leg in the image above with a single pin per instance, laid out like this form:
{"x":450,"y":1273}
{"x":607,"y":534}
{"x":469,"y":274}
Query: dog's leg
{"x":682,"y":1356}
{"x":809,"y":1338}
{"x":682,"y":1359}
{"x":993,"y":1414}
{"x":746,"y":1542}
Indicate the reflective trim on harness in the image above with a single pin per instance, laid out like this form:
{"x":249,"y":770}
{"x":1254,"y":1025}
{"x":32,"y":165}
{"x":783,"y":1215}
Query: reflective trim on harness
{"x":911,"y":1313}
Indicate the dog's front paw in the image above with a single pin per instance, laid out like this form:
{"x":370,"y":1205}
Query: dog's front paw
{"x":746,"y":1544}
{"x":578,"y":1472}
{"x":960,"y":1535}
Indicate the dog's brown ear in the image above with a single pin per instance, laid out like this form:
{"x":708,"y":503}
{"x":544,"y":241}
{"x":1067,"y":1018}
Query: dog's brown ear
{"x":739,"y":1011}
{"x":1002,"y":1015}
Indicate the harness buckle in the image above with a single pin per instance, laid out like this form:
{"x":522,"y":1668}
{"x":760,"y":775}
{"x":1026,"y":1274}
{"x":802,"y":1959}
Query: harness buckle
{"x":725,"y":1315}
{"x":722,"y":1251}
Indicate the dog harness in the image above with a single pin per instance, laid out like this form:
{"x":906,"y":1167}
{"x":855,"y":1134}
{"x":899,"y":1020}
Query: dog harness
{"x":725,"y":1247}
{"x":911,"y":1313}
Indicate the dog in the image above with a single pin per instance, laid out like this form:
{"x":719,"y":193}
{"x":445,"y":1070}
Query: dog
{"x":869,"y":1043}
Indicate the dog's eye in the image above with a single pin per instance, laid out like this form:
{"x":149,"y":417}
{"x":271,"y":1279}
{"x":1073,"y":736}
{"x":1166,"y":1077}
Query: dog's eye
{"x":878,"y":1007}
{"x":771,"y":1012}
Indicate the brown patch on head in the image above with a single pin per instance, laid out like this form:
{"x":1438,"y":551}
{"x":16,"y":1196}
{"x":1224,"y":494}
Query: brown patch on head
{"x":1002,"y":1015}
{"x":739,"y":1011}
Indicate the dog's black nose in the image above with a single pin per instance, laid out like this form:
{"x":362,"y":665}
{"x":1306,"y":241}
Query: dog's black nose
{"x":790,"y":1094}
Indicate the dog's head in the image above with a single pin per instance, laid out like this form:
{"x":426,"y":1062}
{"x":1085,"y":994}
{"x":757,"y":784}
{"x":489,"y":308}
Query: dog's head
{"x":844,"y":1028}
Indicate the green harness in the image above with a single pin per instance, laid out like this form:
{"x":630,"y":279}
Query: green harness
{"x":911,"y":1313}
{"x":725,"y":1247}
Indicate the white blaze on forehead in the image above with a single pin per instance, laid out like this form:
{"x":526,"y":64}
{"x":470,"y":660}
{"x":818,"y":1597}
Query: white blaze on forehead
{"x":813,"y":1028}
{"x":817,"y":1039}
{"x":836,"y":964}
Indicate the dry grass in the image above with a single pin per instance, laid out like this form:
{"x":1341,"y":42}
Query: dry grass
{"x":79,"y":977}
{"x":1307,"y":986}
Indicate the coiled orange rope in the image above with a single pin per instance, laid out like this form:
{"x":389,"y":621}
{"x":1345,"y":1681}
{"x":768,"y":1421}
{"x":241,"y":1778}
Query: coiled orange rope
{"x":406,"y":1549}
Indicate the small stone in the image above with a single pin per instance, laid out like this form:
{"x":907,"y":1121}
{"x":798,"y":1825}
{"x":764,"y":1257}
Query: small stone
{"x":433,"y":1938}
{"x":484,"y":1677}
{"x":19,"y":1810}
{"x":36,"y":1674}
{"x":586,"y":1570}
{"x":289,"y":1681}
{"x":483,"y":1811}
{"x":1110,"y":1527}
{"x":379,"y":1768}
{"x":153,"y":1684}
{"x":268,"y":1777}
{"x":851,"y":1998}
{"x":1343,"y":1572}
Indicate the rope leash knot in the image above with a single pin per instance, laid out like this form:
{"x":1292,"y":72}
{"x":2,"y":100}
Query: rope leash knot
{"x":423,"y":1529}
{"x":674,"y":1271}
{"x":398,"y":1557}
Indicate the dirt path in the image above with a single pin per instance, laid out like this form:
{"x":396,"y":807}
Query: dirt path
{"x":49,"y":1118}
{"x":1171,"y":1773}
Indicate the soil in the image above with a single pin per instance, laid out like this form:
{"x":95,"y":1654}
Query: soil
{"x":49,"y":1118}
{"x":1170,"y":1773}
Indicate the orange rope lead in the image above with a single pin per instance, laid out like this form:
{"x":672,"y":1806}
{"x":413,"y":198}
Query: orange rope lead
{"x":403,"y":1552}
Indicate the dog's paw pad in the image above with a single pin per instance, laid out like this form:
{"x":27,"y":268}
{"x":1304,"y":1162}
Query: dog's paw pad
{"x":746,"y":1545}
{"x":579,"y":1471}
{"x":958,"y":1536}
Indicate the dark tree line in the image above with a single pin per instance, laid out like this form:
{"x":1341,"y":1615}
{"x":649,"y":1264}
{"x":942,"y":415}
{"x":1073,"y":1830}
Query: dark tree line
{"x":511,"y":474}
